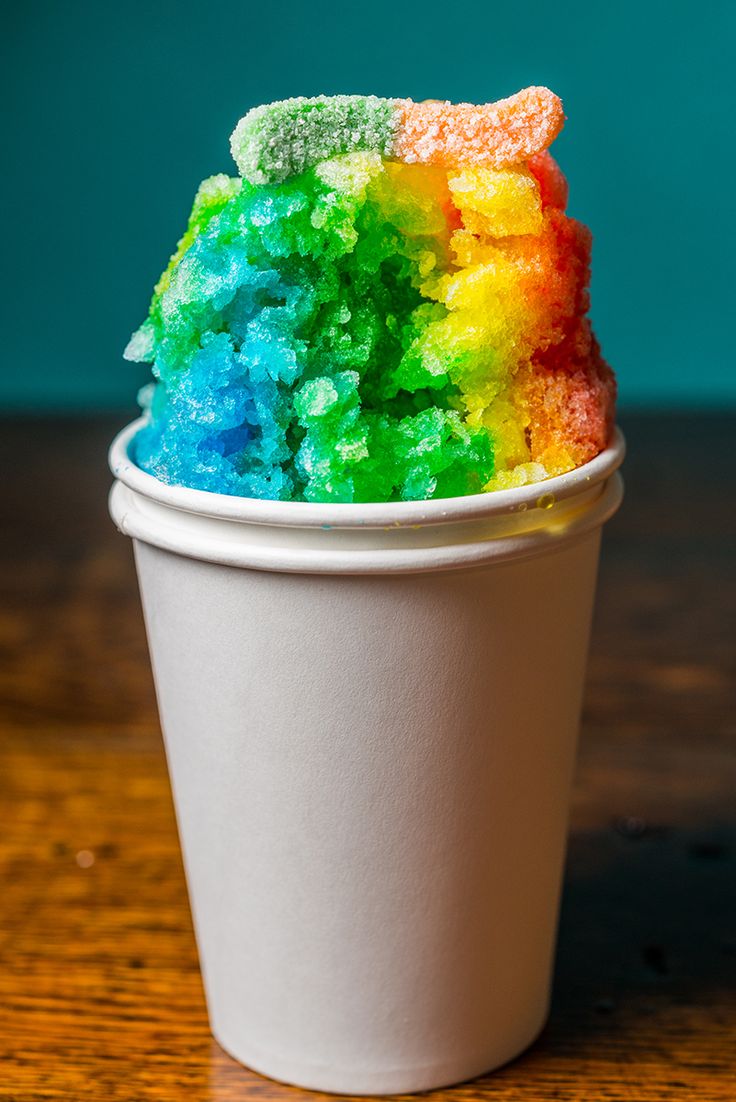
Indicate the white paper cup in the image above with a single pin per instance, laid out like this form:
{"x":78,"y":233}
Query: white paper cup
{"x":370,"y":715}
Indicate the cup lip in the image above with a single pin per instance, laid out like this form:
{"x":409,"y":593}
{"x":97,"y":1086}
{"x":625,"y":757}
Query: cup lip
{"x":303,"y":514}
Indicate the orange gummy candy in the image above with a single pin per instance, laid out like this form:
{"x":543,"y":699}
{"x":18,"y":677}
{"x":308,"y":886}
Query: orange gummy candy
{"x":492,"y":136}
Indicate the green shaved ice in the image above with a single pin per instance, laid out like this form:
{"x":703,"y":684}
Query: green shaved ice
{"x":213,"y":196}
{"x":297,"y":347}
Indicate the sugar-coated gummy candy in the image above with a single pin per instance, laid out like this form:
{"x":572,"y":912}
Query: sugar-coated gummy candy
{"x":388,"y":303}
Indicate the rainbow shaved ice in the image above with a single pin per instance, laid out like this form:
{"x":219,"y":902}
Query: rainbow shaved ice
{"x":389,"y":303}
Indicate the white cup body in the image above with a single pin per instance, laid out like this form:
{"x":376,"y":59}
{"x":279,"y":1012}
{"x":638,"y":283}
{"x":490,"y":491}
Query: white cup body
{"x":371,"y":773}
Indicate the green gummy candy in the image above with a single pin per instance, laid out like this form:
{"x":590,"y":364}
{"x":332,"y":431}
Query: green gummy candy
{"x":285,"y":138}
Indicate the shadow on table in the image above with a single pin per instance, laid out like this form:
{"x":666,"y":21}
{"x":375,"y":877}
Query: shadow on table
{"x":648,"y":911}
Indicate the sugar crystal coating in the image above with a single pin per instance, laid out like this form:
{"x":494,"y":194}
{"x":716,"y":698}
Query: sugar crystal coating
{"x":285,"y":138}
{"x":282,"y":139}
{"x":494,"y":136}
{"x":344,"y":325}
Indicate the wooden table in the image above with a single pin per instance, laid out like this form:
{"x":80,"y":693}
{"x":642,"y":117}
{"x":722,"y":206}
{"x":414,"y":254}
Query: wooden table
{"x":100,"y":995}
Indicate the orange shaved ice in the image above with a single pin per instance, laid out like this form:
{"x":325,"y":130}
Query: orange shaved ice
{"x":551,"y":179}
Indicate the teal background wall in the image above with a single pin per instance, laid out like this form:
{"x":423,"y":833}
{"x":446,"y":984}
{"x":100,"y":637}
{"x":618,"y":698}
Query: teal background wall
{"x":116,"y":111}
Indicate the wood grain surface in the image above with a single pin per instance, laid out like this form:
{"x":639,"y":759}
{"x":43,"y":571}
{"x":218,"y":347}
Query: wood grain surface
{"x":100,"y":995}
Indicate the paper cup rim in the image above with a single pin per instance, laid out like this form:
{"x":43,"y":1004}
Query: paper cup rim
{"x":302,"y":514}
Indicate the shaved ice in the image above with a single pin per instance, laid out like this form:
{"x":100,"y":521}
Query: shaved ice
{"x":389,"y":303}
